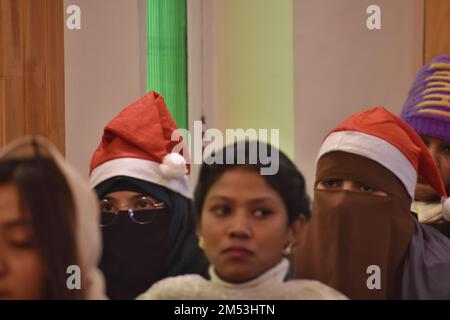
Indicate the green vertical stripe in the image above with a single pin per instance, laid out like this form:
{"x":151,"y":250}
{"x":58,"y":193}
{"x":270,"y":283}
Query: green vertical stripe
{"x":167,"y":55}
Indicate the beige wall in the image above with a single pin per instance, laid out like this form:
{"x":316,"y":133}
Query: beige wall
{"x":105,"y":70}
{"x":339,"y":66}
{"x":241,"y":66}
{"x":342,"y":67}
{"x":252,"y":77}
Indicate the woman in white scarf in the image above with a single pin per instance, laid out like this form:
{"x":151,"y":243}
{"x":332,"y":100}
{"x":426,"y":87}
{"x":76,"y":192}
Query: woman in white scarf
{"x":49,"y":226}
{"x":248,"y":224}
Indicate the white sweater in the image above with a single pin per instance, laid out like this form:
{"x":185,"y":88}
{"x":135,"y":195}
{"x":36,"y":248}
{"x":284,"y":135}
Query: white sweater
{"x":268,"y":286}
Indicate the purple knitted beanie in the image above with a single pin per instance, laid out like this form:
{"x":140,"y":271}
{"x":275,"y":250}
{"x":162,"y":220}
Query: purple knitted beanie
{"x":427,"y":108}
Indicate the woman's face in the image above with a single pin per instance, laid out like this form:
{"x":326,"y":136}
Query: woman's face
{"x":135,"y":242}
{"x":244,"y":224}
{"x":22,"y":272}
{"x":440,"y":151}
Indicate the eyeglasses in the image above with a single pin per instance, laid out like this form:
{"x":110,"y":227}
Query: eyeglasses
{"x":141,"y":210}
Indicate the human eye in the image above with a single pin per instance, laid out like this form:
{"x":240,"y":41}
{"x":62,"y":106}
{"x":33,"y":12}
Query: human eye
{"x":362,"y":187}
{"x":147,"y":203}
{"x":21,"y":243}
{"x":21,"y":239}
{"x":327,"y":184}
{"x":107,"y":206}
{"x":365,"y":188}
{"x":446,"y":150}
{"x":220,"y":210}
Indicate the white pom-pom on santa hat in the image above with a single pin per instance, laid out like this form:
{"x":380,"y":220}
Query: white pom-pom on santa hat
{"x":173,"y":166}
{"x":446,"y":209}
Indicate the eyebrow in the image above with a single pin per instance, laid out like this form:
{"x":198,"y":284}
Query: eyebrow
{"x":220,"y":198}
{"x":257,"y":200}
{"x":140,"y":195}
{"x":144,"y":195}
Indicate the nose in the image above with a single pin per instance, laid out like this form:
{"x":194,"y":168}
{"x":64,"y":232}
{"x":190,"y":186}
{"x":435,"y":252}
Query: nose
{"x":348,"y":185}
{"x":122,"y":207}
{"x":240,"y":225}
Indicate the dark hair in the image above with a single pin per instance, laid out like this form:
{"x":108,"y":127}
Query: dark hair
{"x":45,"y":198}
{"x":287,"y":181}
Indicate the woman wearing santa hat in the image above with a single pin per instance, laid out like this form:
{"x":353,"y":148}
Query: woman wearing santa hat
{"x":363,"y":240}
{"x":147,"y":224}
{"x":427,"y":110}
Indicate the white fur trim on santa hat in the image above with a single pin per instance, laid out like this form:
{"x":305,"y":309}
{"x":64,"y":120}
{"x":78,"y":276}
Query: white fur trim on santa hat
{"x":375,"y":149}
{"x":446,"y":209}
{"x":173,"y":166}
{"x":145,"y":170}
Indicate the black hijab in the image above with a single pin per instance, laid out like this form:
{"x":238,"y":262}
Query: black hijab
{"x":136,"y":256}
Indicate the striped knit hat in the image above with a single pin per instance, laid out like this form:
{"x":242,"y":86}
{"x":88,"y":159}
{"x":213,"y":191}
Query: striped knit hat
{"x":427,"y":108}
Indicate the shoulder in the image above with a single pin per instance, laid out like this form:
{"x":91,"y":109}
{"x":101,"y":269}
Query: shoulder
{"x":432,"y":238}
{"x":180,"y":287}
{"x":314,"y":290}
{"x":428,"y":248}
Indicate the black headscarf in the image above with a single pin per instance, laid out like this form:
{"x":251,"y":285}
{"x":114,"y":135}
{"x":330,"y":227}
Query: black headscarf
{"x":136,"y":256}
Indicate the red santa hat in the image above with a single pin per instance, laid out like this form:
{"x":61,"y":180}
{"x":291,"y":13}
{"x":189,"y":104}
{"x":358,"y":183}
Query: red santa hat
{"x":139,"y":143}
{"x":383,"y":137}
